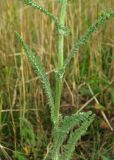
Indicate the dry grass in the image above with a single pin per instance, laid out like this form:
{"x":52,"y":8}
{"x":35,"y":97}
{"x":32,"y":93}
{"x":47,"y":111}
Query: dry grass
{"x":20,"y":92}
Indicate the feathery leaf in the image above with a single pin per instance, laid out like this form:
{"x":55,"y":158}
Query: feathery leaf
{"x":42,"y":9}
{"x":65,"y":126}
{"x":75,"y":136}
{"x":35,"y":61}
{"x":61,"y":29}
{"x":105,"y":16}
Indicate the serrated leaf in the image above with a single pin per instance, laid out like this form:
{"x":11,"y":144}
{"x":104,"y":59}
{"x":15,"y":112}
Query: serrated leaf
{"x":74,"y":137}
{"x":105,"y":16}
{"x":61,"y":29}
{"x":68,"y":123}
{"x":42,"y":9}
{"x":37,"y":65}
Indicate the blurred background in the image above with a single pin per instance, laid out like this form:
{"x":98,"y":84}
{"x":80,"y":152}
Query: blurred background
{"x":23,"y":105}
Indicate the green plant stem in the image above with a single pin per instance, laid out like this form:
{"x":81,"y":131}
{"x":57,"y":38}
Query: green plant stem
{"x":60,"y":60}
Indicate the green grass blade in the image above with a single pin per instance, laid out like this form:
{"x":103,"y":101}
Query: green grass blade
{"x":35,"y":61}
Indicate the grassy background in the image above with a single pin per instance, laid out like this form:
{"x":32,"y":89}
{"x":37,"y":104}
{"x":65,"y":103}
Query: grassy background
{"x":21,"y":95}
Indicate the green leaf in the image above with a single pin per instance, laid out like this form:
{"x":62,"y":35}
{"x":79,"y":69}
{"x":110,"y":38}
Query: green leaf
{"x":67,"y":124}
{"x":105,"y":158}
{"x":27,"y":132}
{"x":75,"y":136}
{"x":42,"y":9}
{"x":61,"y":29}
{"x":19,"y":156}
{"x":38,"y":67}
{"x":105,"y":16}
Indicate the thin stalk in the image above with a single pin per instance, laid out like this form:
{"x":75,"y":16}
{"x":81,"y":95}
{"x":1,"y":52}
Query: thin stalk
{"x":1,"y":106}
{"x":60,"y":59}
{"x":60,"y":65}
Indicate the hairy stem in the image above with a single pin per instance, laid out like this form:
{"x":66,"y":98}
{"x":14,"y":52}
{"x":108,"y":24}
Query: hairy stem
{"x":60,"y":60}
